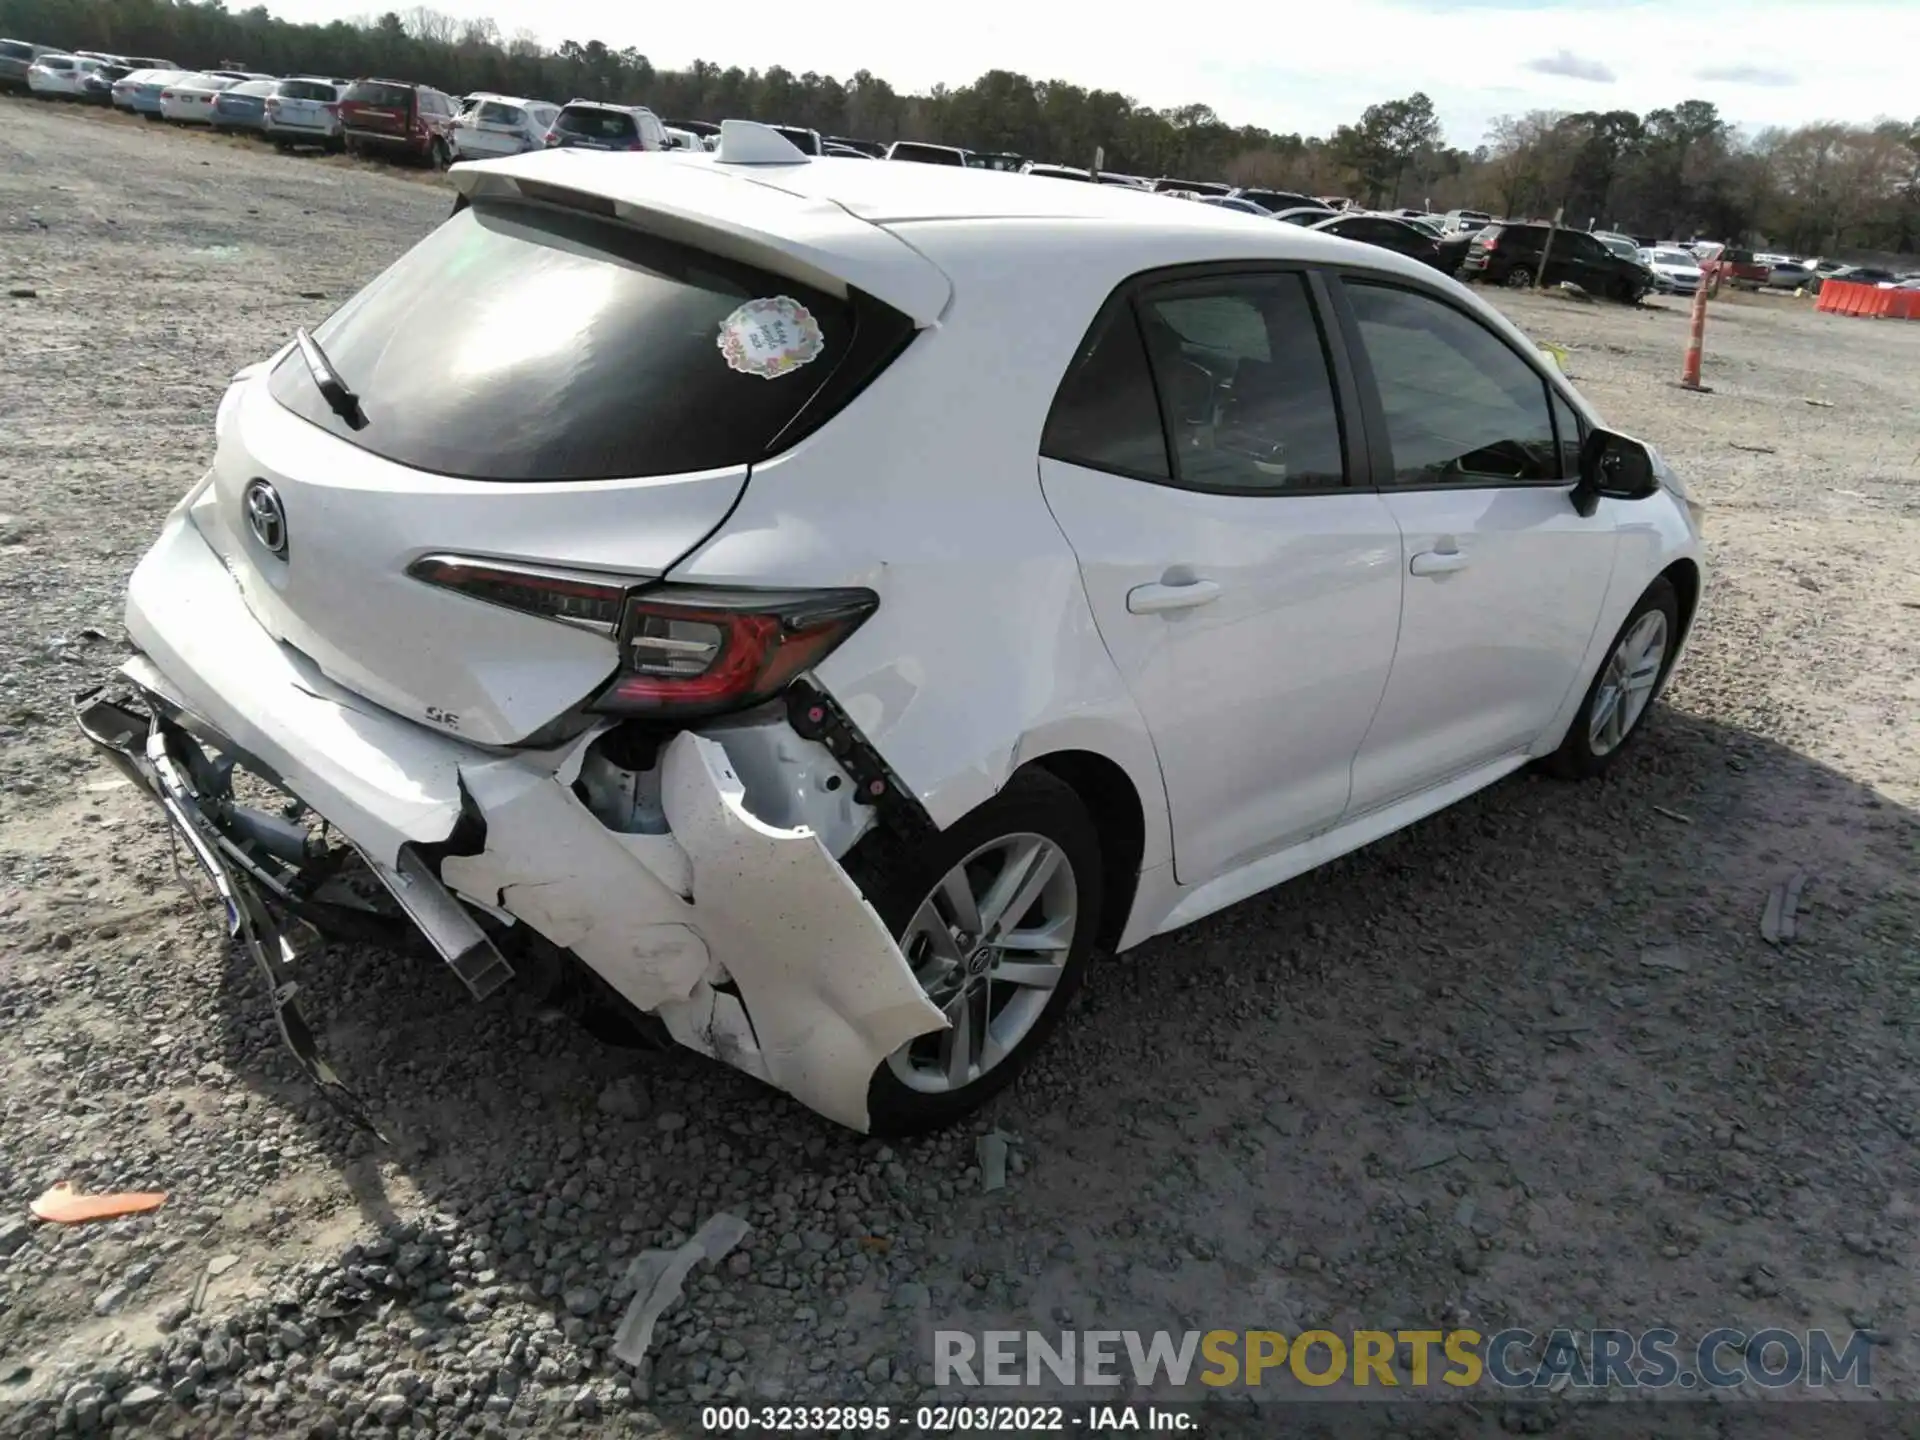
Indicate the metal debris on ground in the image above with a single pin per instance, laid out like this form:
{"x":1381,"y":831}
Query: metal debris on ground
{"x":64,"y":1205}
{"x":1779,"y":922}
{"x":1674,"y":815}
{"x":1756,"y":449}
{"x":1822,"y":404}
{"x":992,"y":1152}
{"x":657,"y":1277}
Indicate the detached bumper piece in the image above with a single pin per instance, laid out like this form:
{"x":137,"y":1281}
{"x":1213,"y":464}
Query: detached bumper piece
{"x":264,"y":869}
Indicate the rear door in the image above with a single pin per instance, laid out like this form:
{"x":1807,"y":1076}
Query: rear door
{"x":1199,"y":462}
{"x":1505,"y":579}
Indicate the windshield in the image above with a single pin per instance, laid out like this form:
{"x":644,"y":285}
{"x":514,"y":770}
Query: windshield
{"x":521,"y":343}
{"x":1673,"y":257}
{"x":373,"y":92}
{"x":597,"y":124}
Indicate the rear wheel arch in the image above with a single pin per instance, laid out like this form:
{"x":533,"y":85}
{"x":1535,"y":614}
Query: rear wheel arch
{"x":1108,"y":793}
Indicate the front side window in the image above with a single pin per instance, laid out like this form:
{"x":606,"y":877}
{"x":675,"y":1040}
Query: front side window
{"x":1242,"y":374}
{"x":1461,"y":407}
{"x":518,"y":342}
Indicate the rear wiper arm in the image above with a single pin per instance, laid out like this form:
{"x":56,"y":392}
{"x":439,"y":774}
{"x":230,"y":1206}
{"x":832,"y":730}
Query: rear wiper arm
{"x":326,"y":379}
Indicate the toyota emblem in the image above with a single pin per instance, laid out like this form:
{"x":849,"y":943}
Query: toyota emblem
{"x":266,"y":517}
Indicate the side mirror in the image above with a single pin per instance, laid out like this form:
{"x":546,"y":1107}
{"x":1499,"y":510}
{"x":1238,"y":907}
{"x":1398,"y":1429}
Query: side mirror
{"x":1613,"y":465}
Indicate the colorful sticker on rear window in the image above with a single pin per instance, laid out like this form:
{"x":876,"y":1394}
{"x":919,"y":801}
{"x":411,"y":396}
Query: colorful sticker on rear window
{"x":771,"y":337}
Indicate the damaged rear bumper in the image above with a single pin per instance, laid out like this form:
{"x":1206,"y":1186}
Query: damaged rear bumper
{"x":748,"y":940}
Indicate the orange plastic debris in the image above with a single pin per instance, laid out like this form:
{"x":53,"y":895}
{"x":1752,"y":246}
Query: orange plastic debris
{"x":66,"y":1206}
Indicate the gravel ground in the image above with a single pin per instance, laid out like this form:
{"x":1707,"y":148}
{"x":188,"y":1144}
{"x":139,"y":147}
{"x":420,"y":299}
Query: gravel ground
{"x":1529,"y":1063}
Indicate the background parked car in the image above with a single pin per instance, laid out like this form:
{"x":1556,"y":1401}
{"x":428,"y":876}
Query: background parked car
{"x":872,"y":149}
{"x":845,"y":152}
{"x":1675,"y":271}
{"x":15,"y":57}
{"x":924,"y":154}
{"x":589,"y":125}
{"x":138,"y":93}
{"x":189,"y":100}
{"x":1167,"y":183}
{"x":396,"y":118}
{"x":1274,"y":201}
{"x":497,"y":125}
{"x":1625,"y":246}
{"x":1511,"y":254}
{"x":1234,"y":202}
{"x":807,"y":141}
{"x":243,"y":106}
{"x":1737,"y":267}
{"x":304,"y":111}
{"x":1389,"y":232}
{"x":1306,"y":215}
{"x":96,"y":86}
{"x":60,"y":77}
{"x":1789,"y":275}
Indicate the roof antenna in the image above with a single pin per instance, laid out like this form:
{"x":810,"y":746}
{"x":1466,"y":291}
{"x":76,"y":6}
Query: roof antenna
{"x":746,"y":142}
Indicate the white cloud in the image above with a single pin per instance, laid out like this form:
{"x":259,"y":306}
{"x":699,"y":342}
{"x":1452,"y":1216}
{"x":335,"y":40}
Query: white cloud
{"x":1299,"y":65}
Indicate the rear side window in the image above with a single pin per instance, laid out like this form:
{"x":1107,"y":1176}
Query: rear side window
{"x":597,"y":124}
{"x":1105,"y":415}
{"x":518,"y":342}
{"x":1461,"y":407}
{"x":385,"y":97}
{"x":1244,"y":383}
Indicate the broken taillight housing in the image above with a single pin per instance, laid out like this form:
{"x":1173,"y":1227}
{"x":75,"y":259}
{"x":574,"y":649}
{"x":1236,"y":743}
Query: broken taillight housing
{"x":685,"y":650}
{"x":689,"y":650}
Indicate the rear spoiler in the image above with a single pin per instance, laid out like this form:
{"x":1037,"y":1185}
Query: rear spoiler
{"x":739,"y":217}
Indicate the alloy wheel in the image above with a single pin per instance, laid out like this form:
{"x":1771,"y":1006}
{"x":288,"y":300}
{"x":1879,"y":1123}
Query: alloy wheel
{"x":1626,"y":685}
{"x":989,"y":945}
{"x":1520,"y":278}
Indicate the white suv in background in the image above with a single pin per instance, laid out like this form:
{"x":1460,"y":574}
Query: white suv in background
{"x":822,"y":604}
{"x":492,"y":126}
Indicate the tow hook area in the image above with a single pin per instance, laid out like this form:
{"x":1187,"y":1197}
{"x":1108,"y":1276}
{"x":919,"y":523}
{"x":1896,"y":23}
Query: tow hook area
{"x":155,"y":755}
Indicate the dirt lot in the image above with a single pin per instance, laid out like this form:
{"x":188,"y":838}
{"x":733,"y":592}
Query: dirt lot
{"x":1530,"y":1063}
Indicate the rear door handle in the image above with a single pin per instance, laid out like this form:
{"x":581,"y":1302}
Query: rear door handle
{"x":1438,"y":562}
{"x":1158,"y":599}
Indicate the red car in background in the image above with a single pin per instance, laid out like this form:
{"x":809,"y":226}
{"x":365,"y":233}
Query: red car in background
{"x":397,"y":118}
{"x":1720,"y":264}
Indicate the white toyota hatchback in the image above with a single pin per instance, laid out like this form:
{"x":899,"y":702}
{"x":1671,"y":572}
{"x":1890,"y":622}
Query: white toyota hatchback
{"x":820,"y":604}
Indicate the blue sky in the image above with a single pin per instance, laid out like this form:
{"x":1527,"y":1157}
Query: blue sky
{"x":1304,"y":65}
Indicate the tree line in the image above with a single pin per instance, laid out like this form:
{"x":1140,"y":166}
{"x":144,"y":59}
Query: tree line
{"x":1679,"y":171}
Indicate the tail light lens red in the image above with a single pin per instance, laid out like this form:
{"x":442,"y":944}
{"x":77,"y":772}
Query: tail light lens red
{"x":685,"y":651}
{"x":552,"y":137}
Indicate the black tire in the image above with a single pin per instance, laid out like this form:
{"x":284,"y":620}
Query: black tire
{"x":897,"y":880}
{"x":1575,"y":759}
{"x":1520,"y":277}
{"x":438,"y":157}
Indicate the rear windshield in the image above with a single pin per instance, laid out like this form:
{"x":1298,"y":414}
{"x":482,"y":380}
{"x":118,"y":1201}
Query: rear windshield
{"x":253,"y":87}
{"x":375,"y":92}
{"x":494,"y":113}
{"x":523,"y":343}
{"x":926,"y":154}
{"x":305,"y":90}
{"x":597,"y":124}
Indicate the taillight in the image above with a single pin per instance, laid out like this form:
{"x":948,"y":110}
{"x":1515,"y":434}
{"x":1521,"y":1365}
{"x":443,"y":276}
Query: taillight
{"x":552,"y":137}
{"x":166,"y":94}
{"x":685,"y":651}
